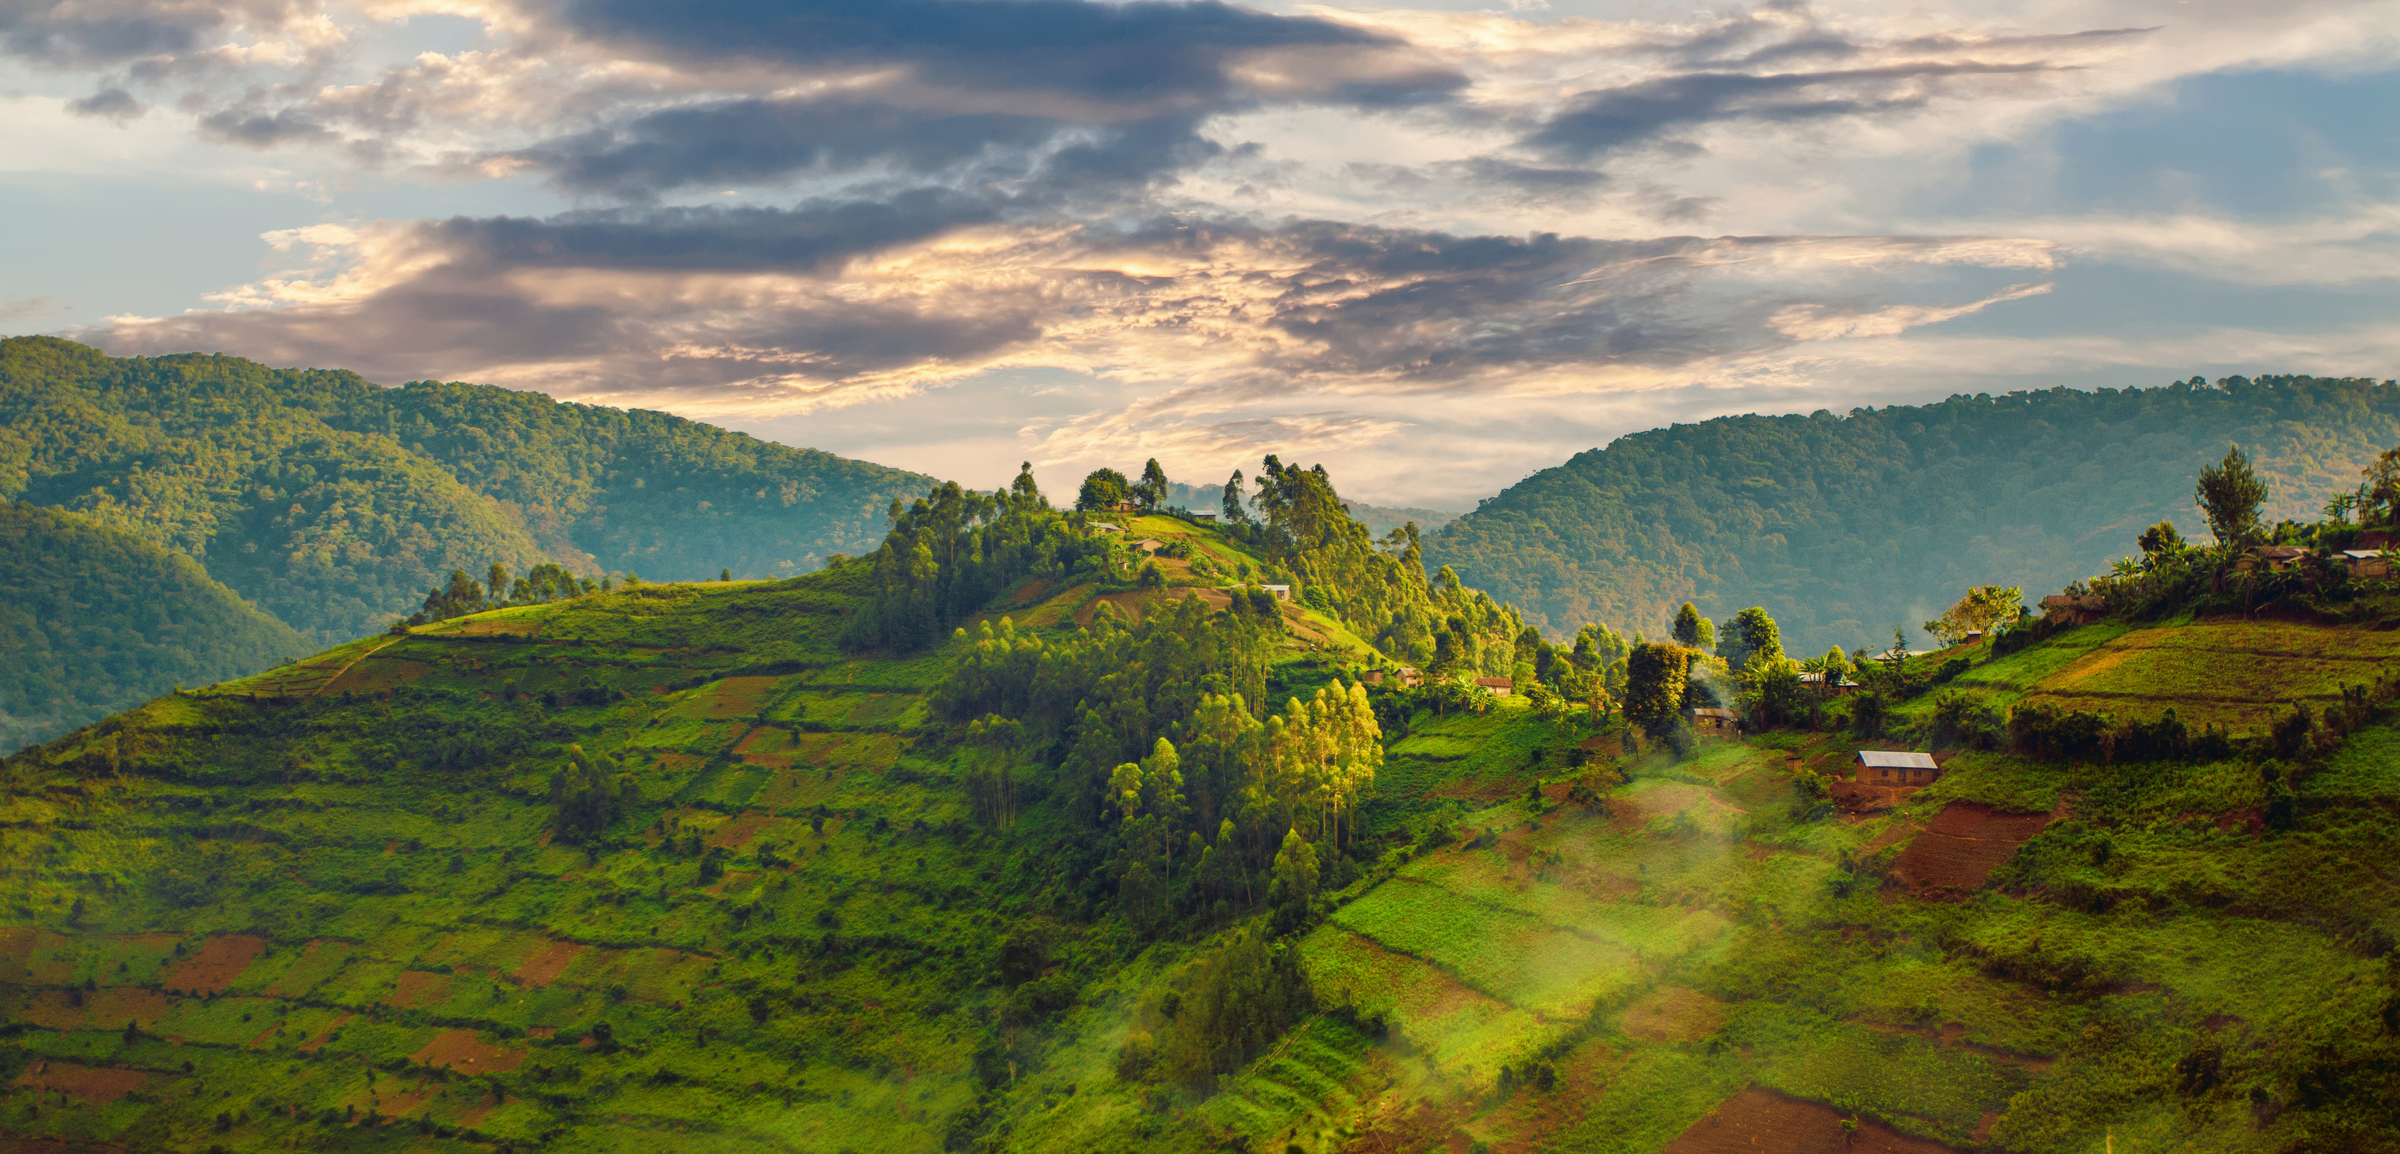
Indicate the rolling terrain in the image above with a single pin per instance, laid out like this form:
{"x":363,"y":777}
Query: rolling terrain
{"x":673,"y":867}
{"x":1843,"y":526}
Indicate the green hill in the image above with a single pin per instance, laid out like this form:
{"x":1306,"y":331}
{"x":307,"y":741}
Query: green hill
{"x":96,"y":621}
{"x":1844,"y":526}
{"x":1003,"y":838}
{"x":333,"y":503}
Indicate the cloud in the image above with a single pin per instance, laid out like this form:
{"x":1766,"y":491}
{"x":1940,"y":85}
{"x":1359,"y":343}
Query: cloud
{"x":108,"y":104}
{"x":765,"y":311}
{"x":100,"y":33}
{"x":1818,"y":322}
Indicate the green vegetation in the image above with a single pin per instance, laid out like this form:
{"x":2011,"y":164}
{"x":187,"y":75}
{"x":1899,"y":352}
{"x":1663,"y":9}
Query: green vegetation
{"x":97,"y":621}
{"x":333,"y":504}
{"x":1842,"y":527}
{"x":857,"y":860}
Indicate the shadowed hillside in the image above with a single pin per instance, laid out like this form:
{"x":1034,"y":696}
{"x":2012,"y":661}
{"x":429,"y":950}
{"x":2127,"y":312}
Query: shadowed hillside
{"x":96,"y":621}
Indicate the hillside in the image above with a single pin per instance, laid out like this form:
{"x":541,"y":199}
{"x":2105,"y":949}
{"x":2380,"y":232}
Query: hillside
{"x":97,"y":621}
{"x":1843,"y":526}
{"x":1140,"y":862}
{"x":333,"y":504}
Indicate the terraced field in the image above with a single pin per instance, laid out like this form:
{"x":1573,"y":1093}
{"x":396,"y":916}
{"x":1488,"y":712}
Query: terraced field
{"x":2234,"y":674}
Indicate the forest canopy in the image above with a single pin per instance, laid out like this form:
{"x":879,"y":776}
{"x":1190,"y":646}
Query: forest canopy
{"x":96,"y":621}
{"x":333,"y":503}
{"x":1842,"y":527}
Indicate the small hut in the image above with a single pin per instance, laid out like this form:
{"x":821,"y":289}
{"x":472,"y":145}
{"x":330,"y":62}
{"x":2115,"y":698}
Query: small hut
{"x":1500,"y":686}
{"x":1889,"y":767}
{"x":1714,"y":722}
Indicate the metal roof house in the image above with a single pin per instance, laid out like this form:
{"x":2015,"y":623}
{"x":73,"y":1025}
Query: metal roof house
{"x":1281,"y":592}
{"x":1886,"y":767}
{"x":1500,"y":686}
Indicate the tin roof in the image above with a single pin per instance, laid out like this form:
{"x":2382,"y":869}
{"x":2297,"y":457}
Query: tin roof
{"x":1709,"y":713}
{"x":1888,"y":759}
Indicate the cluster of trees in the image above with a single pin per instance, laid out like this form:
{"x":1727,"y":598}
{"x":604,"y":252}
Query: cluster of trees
{"x":1832,"y":522}
{"x":1157,"y":736}
{"x":461,"y":595}
{"x":95,"y":620}
{"x":589,"y":793}
{"x":1106,"y":489}
{"x":954,"y":549}
{"x":332,"y":503}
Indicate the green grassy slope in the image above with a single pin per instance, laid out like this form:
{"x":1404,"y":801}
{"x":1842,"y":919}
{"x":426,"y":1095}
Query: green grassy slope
{"x":326,"y":901}
{"x":334,"y":504}
{"x":96,"y":621}
{"x":1842,"y":527}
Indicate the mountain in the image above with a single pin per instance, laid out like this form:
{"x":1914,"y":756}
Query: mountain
{"x":98,"y":620}
{"x":1130,"y":858}
{"x":333,"y":503}
{"x":1844,"y":526}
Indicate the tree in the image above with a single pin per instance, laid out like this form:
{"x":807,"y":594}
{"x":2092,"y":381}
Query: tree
{"x":2378,"y":497}
{"x":2230,"y":492}
{"x":1750,"y":631}
{"x":1983,"y":609}
{"x":1236,"y":508}
{"x":1103,"y":489}
{"x":2161,"y":545}
{"x":495,"y":584}
{"x":1655,"y":678}
{"x":1295,"y":873}
{"x":1692,"y":631}
{"x":724,"y":574}
{"x":1153,"y":488}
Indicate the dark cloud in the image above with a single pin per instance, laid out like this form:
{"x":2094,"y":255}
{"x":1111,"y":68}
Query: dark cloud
{"x":758,"y":140}
{"x":264,"y":129}
{"x":1144,"y":52}
{"x":97,"y":33}
{"x":1604,"y":121}
{"x":108,"y":104}
{"x":809,"y":237}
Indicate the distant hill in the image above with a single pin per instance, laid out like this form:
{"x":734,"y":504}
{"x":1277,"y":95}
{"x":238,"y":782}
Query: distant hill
{"x":1843,"y":527}
{"x":96,"y":620}
{"x":334,"y":503}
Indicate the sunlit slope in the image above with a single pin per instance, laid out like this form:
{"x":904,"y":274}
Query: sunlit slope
{"x":347,"y":865}
{"x":2237,"y":675}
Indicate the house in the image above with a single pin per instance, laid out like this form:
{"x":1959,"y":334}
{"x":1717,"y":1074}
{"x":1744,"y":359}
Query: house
{"x":2368,"y":562}
{"x":1714,"y":722}
{"x":2274,"y":557}
{"x":1372,"y":677}
{"x":1105,"y":527}
{"x":1203,"y":518}
{"x":1816,"y":681}
{"x":1148,"y":545}
{"x":1281,"y":592}
{"x":1500,"y":686}
{"x":1411,"y":677}
{"x":2074,"y":610}
{"x":1883,"y":767}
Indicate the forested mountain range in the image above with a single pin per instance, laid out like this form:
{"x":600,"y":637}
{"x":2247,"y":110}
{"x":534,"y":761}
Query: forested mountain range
{"x":334,"y":503}
{"x":96,"y":620}
{"x":1844,"y":526}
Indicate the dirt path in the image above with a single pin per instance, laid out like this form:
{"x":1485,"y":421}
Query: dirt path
{"x":337,"y":674}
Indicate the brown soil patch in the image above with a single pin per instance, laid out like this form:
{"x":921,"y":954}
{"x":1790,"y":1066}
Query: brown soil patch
{"x":1965,"y":843}
{"x":97,"y":1086}
{"x":544,"y":965}
{"x":766,"y":746}
{"x":32,"y":954}
{"x":1673,"y":1014}
{"x":738,"y":696}
{"x":318,"y":1043}
{"x":106,"y":1008}
{"x":502,"y":627}
{"x":419,"y":988}
{"x":1128,"y":607}
{"x":1757,"y":1120}
{"x":732,"y":880}
{"x":219,"y":962}
{"x":399,"y":1105}
{"x":1031,"y":592}
{"x":465,"y":1053}
{"x":737,"y":832}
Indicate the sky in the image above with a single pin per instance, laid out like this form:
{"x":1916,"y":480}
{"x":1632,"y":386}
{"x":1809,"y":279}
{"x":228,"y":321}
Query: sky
{"x":1435,"y":247}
